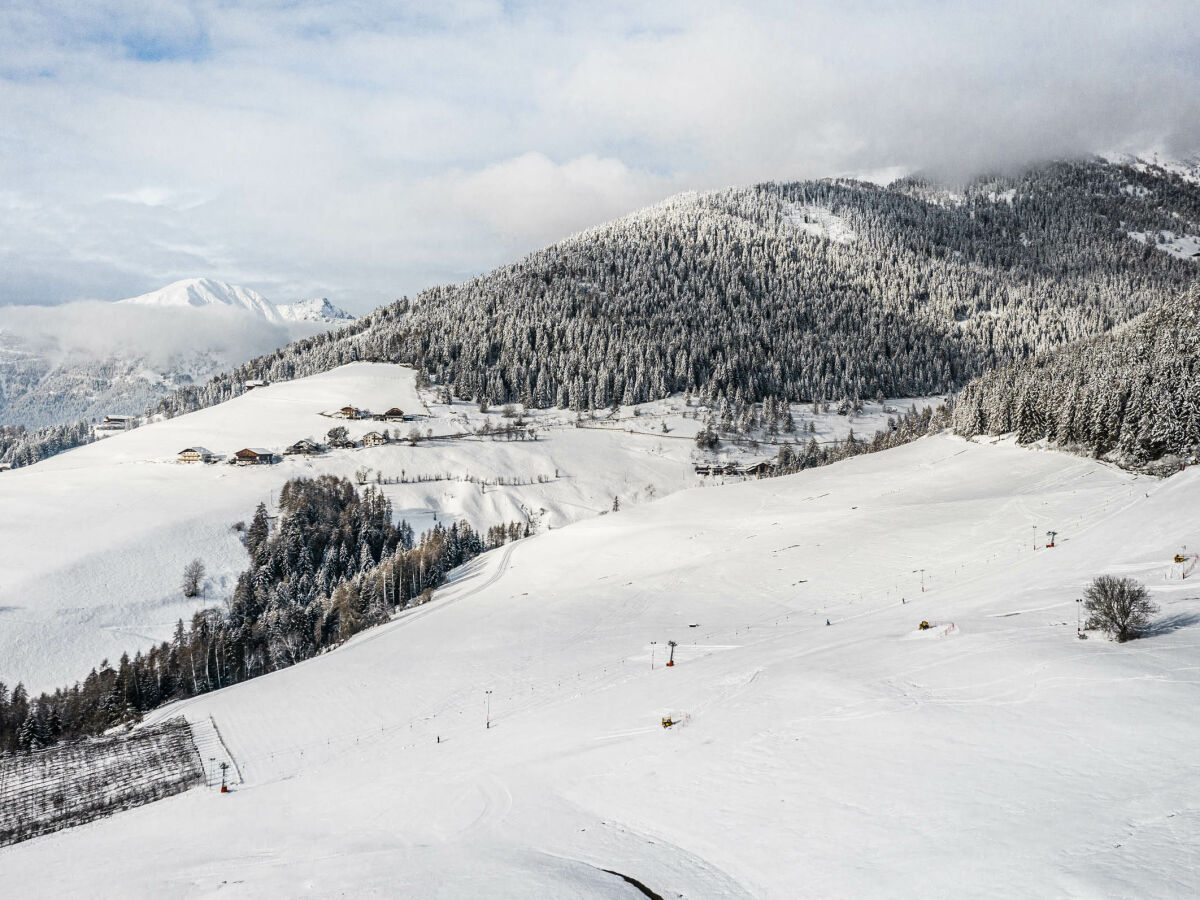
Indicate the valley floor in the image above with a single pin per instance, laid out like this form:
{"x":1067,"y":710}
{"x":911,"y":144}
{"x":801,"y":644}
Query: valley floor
{"x":994,"y":755}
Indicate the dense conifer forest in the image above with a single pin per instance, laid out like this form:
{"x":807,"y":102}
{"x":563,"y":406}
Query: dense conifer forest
{"x":794,"y":291}
{"x":1132,"y":394}
{"x":21,"y":447}
{"x":334,"y":564}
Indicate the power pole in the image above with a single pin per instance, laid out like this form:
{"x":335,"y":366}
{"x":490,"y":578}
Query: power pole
{"x":489,"y":709}
{"x":653,"y":647}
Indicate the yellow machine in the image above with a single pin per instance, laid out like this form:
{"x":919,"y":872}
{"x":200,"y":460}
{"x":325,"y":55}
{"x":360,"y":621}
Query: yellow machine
{"x":1179,"y":557}
{"x":924,"y":626}
{"x":667,"y":721}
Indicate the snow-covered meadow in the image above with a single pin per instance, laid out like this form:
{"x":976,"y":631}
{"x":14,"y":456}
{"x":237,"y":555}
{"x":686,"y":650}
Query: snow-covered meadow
{"x":995,"y":755}
{"x":93,"y":541}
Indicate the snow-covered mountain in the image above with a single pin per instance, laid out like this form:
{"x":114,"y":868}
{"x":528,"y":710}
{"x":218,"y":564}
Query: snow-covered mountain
{"x":88,"y":360}
{"x":804,"y":290}
{"x":316,"y":309}
{"x":202,"y":292}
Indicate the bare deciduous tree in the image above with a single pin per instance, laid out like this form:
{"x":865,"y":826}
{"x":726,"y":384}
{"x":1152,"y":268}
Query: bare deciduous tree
{"x":193,"y":578}
{"x":1120,"y":607}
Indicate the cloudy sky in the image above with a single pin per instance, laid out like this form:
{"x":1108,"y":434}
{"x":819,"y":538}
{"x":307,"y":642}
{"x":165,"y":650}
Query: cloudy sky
{"x":363,"y":150}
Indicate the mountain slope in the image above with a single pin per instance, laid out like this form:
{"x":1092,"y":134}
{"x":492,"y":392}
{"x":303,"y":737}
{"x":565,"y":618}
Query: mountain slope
{"x":1132,"y":394}
{"x":859,"y":759}
{"x":94,"y":540}
{"x":807,"y":290}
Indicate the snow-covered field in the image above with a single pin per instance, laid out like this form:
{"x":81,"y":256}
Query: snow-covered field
{"x":1181,"y":246}
{"x":93,"y":542}
{"x":994,"y":755}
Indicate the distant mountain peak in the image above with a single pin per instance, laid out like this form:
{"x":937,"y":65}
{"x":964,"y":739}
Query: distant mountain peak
{"x":201,"y":292}
{"x":315,"y":309}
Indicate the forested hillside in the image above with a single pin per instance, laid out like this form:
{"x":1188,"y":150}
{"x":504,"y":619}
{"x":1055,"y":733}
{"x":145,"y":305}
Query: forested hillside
{"x":797,"y":291}
{"x":1133,"y":394}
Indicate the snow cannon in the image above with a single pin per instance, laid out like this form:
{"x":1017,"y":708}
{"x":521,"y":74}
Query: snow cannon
{"x":924,"y":626}
{"x":667,"y":721}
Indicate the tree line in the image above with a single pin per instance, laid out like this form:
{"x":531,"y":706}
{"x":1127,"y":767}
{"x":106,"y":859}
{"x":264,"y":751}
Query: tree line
{"x":1132,"y":395}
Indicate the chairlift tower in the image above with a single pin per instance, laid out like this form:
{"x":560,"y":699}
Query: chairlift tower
{"x":672,"y":645}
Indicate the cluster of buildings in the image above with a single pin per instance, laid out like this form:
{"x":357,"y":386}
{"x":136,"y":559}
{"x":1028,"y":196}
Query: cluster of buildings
{"x":247,"y":456}
{"x":395,"y":414}
{"x":258,"y":456}
{"x":753,"y":470}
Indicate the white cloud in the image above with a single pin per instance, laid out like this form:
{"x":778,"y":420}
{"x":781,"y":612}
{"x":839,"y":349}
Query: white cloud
{"x":531,"y":199}
{"x":96,"y":330}
{"x":365,"y":150}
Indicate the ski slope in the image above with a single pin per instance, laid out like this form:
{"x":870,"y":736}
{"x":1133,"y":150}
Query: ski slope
{"x":93,"y":541}
{"x":994,"y":755}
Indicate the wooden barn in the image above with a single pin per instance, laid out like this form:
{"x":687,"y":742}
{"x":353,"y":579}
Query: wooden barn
{"x":395,"y":414}
{"x":254,"y":456}
{"x":196,"y":455}
{"x":256,"y":383}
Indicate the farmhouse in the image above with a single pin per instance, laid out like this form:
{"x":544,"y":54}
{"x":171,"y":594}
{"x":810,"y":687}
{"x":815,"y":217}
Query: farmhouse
{"x":348,"y":412}
{"x":195,"y":454}
{"x":374,"y":439}
{"x":395,"y":414}
{"x":117,"y":423}
{"x":254,"y":456}
{"x":757,"y":469}
{"x":303,"y":447}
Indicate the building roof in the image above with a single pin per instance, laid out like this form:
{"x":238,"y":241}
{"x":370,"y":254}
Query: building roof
{"x":203,"y":451}
{"x":257,"y":451}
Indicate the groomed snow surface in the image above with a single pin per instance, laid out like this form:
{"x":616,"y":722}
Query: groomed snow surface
{"x":999,"y":757}
{"x":93,"y":541}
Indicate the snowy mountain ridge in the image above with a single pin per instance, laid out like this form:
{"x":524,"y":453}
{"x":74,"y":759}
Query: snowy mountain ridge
{"x":201,"y":292}
{"x":315,"y":309}
{"x":90,"y":359}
